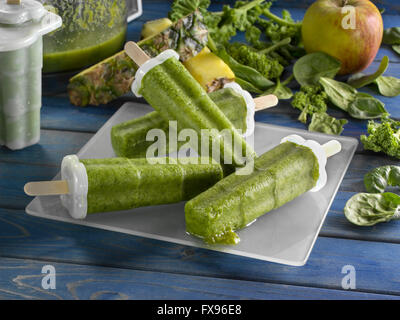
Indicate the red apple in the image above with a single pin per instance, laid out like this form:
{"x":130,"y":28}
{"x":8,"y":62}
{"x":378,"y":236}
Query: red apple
{"x":349,"y":30}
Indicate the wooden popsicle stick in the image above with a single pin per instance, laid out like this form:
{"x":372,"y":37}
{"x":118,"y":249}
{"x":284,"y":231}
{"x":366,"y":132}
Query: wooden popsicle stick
{"x":136,"y":53}
{"x":46,"y":188}
{"x":13,"y":1}
{"x":266,"y":102}
{"x":332,"y":147}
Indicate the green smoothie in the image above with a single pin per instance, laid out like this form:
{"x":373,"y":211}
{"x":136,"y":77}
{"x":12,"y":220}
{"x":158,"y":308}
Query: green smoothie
{"x":20,"y":96}
{"x":129,"y":138}
{"x":92,"y":31}
{"x":280,"y":176}
{"x":83,"y":57}
{"x":120,"y":184}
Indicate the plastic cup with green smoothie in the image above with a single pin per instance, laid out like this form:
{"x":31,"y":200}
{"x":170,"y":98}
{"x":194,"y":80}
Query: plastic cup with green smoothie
{"x":21,"y":59}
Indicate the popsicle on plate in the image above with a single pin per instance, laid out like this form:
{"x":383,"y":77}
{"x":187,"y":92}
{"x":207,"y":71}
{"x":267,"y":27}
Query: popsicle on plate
{"x":117,"y":184}
{"x":172,"y":91}
{"x":282,"y":174}
{"x":129,"y":138}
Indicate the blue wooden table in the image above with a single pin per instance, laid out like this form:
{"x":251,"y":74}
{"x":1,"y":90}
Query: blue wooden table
{"x":96,"y":264}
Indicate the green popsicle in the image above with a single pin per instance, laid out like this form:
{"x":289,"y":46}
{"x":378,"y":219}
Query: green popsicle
{"x":170,"y":89}
{"x":120,"y":184}
{"x":129,"y":138}
{"x":280,"y":175}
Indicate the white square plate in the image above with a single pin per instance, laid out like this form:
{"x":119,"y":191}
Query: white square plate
{"x":286,"y":235}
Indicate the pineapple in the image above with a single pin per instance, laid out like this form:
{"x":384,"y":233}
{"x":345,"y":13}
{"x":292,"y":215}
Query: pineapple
{"x":113,"y":77}
{"x":151,"y":28}
{"x":207,"y":68}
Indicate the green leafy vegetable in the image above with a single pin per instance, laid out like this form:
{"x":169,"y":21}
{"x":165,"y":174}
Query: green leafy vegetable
{"x":275,"y":46}
{"x":322,"y":122}
{"x":222,"y":26}
{"x":244,"y":72}
{"x":253,"y":35}
{"x":310,"y":100}
{"x":277,"y":28}
{"x":280,"y":90}
{"x":366,"y":106}
{"x":247,"y":85}
{"x":241,"y":17}
{"x":181,"y":8}
{"x":339,"y":93}
{"x":310,"y":68}
{"x":383,"y":137}
{"x":356,"y":104}
{"x":360,"y":80}
{"x":366,"y":209}
{"x":377,"y":180}
{"x":388,"y":86}
{"x":269,"y":68}
{"x":391,"y":36}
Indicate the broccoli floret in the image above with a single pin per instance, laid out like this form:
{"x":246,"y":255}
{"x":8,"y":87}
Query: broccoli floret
{"x":310,"y":100}
{"x":269,"y":68}
{"x":383,"y":137}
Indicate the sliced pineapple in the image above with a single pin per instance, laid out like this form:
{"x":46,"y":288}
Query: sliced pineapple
{"x":151,"y":28}
{"x":206,"y":67}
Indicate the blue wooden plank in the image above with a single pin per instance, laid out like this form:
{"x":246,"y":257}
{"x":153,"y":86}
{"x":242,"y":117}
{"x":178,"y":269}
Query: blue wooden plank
{"x":14,"y":176}
{"x":26,"y":237}
{"x":57,"y":113}
{"x":22,"y":279}
{"x":53,"y":146}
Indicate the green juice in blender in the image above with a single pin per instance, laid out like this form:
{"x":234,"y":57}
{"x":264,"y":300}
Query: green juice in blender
{"x":92,"y":31}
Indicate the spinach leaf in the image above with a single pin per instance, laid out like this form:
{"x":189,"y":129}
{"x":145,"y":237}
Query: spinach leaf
{"x":247,"y":85}
{"x":388,"y":86}
{"x":339,"y":93}
{"x":377,"y":180}
{"x":366,"y":209}
{"x":366,"y":106}
{"x":391,"y":36}
{"x":280,"y":90}
{"x":360,"y":80}
{"x":323,"y":122}
{"x":310,"y":68}
{"x":359,"y":105}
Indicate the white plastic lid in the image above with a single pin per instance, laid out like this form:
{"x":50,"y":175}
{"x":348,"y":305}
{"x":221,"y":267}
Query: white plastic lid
{"x":319,"y":153}
{"x":74,"y":172}
{"x":20,"y":13}
{"x":21,"y":25}
{"x":148,"y":65}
